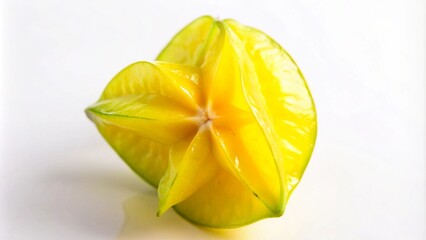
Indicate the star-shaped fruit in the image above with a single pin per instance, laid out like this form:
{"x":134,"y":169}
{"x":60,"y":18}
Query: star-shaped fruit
{"x":222,"y":123}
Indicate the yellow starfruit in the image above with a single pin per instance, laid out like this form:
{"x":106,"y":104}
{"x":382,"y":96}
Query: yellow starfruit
{"x":222,"y":123}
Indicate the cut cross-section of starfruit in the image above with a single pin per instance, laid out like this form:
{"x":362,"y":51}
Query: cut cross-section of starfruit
{"x":222,"y":123}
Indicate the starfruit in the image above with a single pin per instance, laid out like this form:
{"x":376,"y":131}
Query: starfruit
{"x":222,"y":123}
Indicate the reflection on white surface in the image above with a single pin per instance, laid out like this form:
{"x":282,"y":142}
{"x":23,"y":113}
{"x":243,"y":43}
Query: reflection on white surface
{"x":141,"y":223}
{"x":97,"y":202}
{"x":364,"y":62}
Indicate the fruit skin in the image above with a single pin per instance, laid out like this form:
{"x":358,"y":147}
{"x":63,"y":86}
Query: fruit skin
{"x":218,"y":162}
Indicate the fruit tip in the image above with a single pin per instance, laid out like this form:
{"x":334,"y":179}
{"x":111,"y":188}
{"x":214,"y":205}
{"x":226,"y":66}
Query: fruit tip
{"x":90,"y":113}
{"x":160,"y":211}
{"x":87,"y":112}
{"x":162,"y":207}
{"x":278,"y":212}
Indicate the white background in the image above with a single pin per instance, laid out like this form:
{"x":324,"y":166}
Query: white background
{"x":364,"y":61}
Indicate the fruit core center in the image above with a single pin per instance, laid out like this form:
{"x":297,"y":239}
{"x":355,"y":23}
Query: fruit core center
{"x":206,"y":117}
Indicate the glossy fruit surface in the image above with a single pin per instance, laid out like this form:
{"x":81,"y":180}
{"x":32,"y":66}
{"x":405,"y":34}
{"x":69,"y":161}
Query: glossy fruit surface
{"x":222,"y":123}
